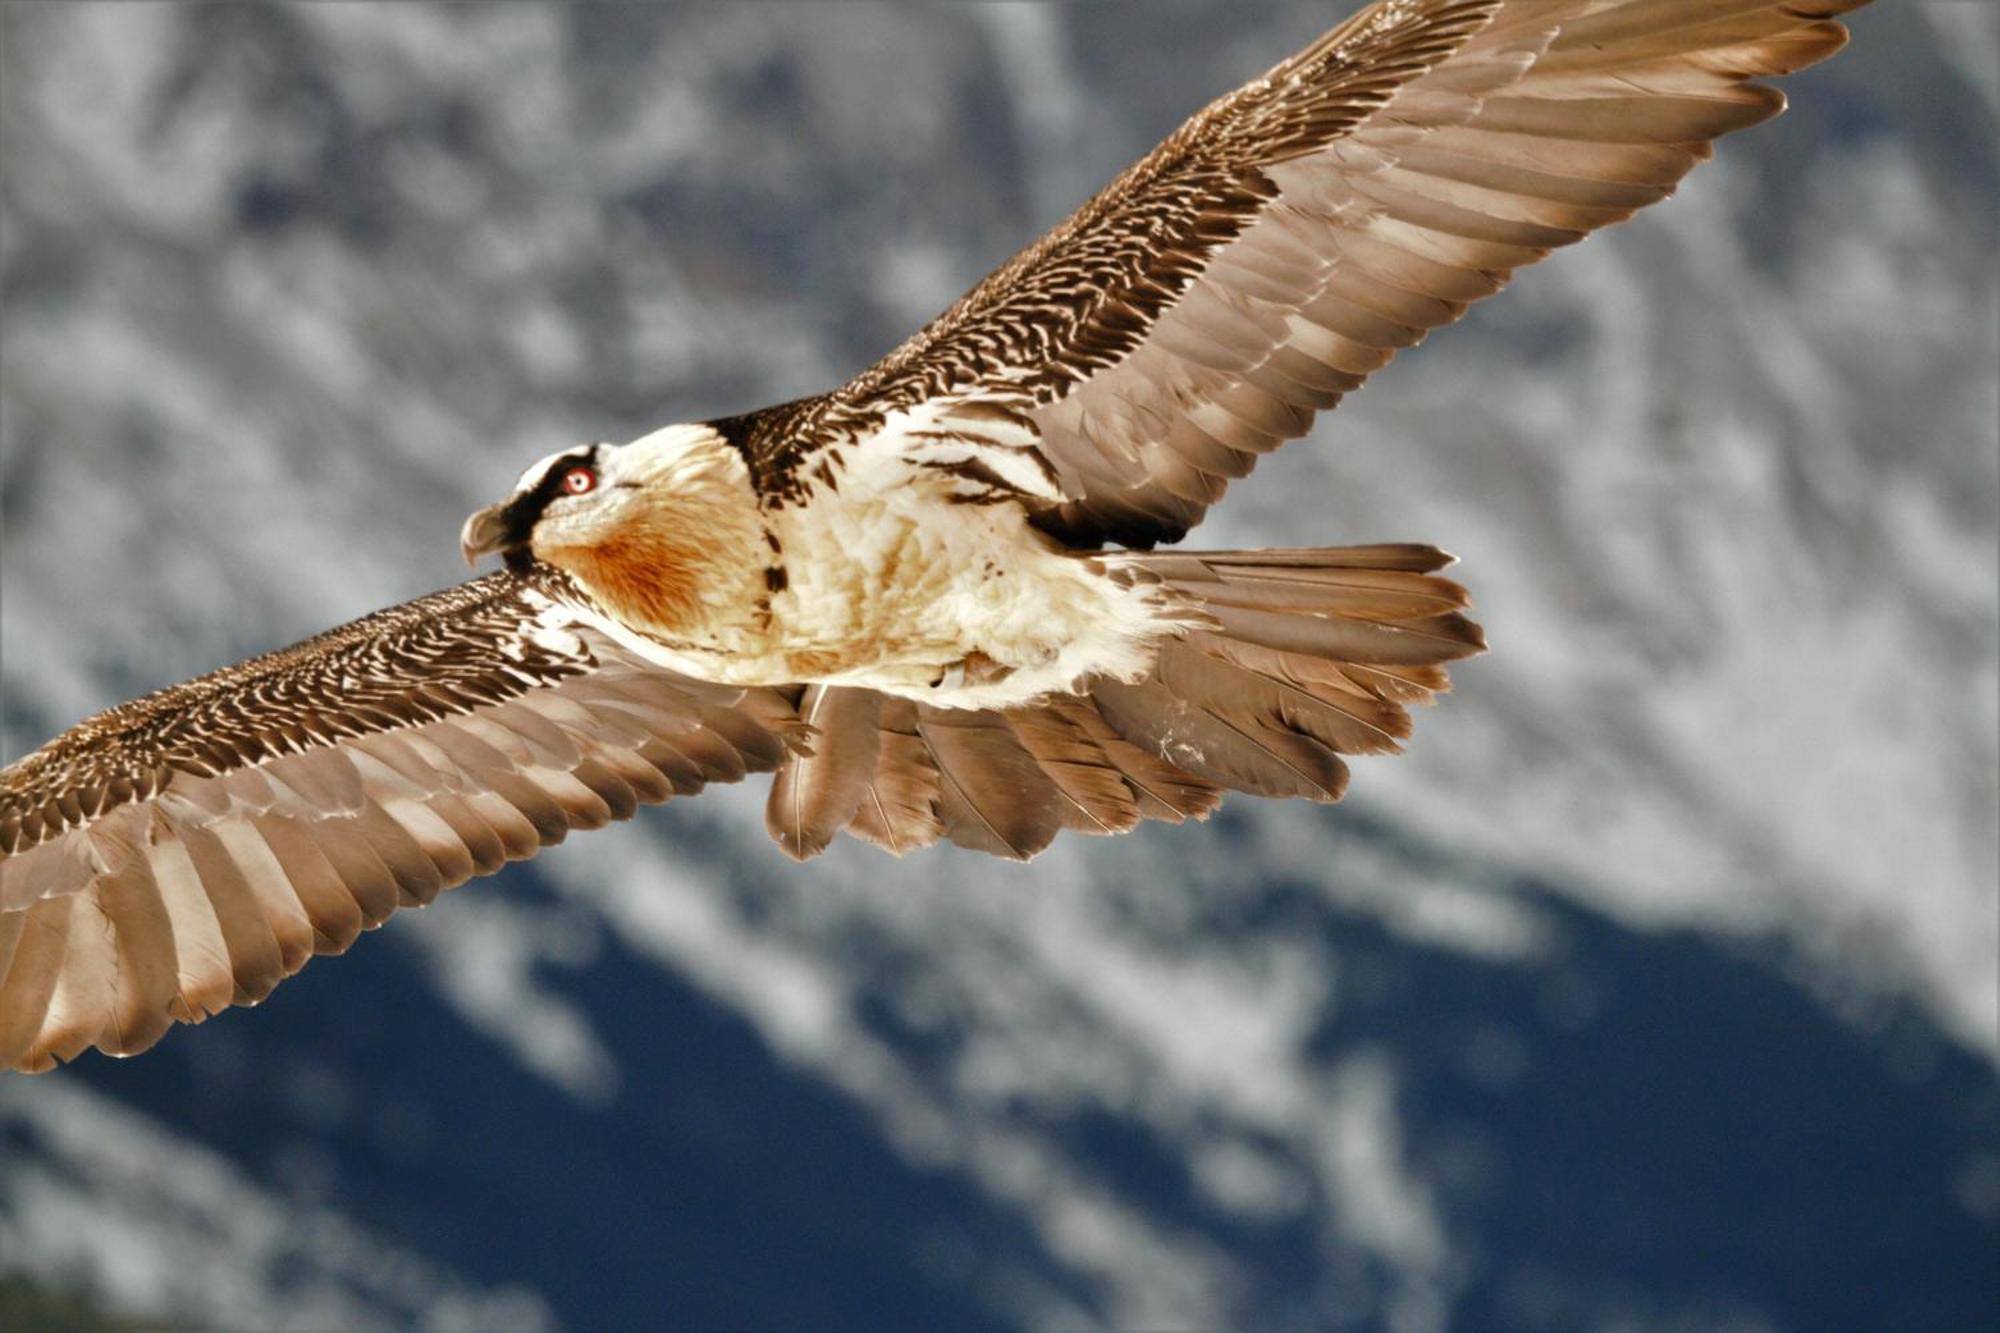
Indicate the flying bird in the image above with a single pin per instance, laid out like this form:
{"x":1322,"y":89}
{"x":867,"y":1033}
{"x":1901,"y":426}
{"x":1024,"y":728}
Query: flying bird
{"x":932,"y":602}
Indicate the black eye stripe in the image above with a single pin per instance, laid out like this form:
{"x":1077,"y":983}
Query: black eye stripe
{"x":527,"y":509}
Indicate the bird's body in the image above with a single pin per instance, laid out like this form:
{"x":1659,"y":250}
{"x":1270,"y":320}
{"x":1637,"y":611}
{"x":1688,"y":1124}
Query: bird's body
{"x":879,"y":576}
{"x":930,"y":601}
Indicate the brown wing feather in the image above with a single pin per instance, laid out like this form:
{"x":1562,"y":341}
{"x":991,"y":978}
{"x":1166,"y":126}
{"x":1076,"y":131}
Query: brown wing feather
{"x":190,"y":850}
{"x":815,"y":796}
{"x":992,"y":795}
{"x":1294,"y":235}
{"x":899,"y":810}
{"x":1004,"y":783}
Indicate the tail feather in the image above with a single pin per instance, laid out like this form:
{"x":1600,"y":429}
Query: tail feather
{"x":1159,"y":789}
{"x":1095,"y":796}
{"x":1220,"y":740}
{"x":1309,"y":654}
{"x":1298,"y":561}
{"x":1346,"y":722}
{"x":1296,"y":658}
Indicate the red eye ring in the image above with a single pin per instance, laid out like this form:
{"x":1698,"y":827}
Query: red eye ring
{"x":579,"y":481}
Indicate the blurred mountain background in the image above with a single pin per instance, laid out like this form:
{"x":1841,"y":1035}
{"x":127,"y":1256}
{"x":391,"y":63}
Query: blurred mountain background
{"x":1655,"y":988}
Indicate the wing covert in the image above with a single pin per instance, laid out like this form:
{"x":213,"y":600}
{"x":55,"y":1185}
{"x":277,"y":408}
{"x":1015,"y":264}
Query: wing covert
{"x":1294,"y":235}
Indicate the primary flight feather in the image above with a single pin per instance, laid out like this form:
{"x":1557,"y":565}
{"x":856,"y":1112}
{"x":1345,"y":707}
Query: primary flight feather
{"x":928,"y":601}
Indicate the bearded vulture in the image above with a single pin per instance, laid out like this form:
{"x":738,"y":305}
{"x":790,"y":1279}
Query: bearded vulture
{"x":930,"y":601}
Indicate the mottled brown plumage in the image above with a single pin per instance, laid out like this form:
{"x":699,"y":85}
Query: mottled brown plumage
{"x":907,"y":596}
{"x":1288,"y":240}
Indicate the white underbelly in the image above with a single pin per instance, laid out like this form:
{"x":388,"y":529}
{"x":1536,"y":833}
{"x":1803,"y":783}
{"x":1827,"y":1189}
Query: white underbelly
{"x":961,"y":606}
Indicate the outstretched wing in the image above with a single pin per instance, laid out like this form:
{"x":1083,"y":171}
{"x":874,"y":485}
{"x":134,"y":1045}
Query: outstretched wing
{"x":1293,"y":236}
{"x":191,"y":849}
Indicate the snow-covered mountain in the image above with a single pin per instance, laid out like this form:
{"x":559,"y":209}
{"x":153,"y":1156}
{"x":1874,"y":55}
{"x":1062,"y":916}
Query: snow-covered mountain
{"x":1655,"y":987}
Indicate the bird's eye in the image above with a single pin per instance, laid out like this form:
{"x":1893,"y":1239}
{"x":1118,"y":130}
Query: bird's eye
{"x":579,"y":481}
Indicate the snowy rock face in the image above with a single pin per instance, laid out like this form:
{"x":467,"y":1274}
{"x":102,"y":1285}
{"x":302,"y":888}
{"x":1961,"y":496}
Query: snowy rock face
{"x":1655,"y":986}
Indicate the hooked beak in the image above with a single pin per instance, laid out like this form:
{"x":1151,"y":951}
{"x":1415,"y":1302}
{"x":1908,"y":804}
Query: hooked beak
{"x":485,"y":532}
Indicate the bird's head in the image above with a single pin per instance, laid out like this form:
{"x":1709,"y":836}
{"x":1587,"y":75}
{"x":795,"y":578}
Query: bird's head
{"x":646,"y":525}
{"x":574,"y":496}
